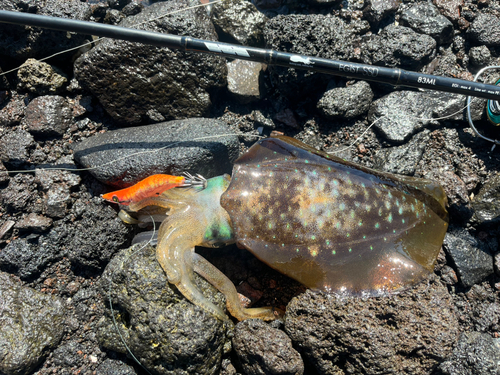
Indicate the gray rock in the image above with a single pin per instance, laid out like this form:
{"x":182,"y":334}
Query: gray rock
{"x":479,"y":56}
{"x":40,"y":78}
{"x":402,"y":113}
{"x":22,"y":42}
{"x":114,"y":367}
{"x":123,"y":157}
{"x":471,"y":257}
{"x":49,"y":115}
{"x":32,"y":325}
{"x":56,"y":201}
{"x":243,"y":80}
{"x":402,"y":159}
{"x":377,"y":10}
{"x":485,"y":29}
{"x":137,"y":83}
{"x":262,"y":350}
{"x":167,"y":333}
{"x":486,"y":203}
{"x":12,"y":112}
{"x":316,"y":35}
{"x":375,"y":335}
{"x":347,"y":102}
{"x":15,"y":147}
{"x":34,"y":222}
{"x":425,"y":18}
{"x":67,"y":354}
{"x":399,"y":46}
{"x":475,"y":354}
{"x":240,"y":20}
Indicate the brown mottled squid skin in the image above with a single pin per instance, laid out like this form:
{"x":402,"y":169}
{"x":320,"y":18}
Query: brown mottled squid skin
{"x":332,"y":225}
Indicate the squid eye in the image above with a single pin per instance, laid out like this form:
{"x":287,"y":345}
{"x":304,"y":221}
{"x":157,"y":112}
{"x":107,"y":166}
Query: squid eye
{"x":115,"y":199}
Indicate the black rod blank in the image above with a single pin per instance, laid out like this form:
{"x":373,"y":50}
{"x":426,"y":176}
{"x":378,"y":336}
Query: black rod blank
{"x":395,"y":77}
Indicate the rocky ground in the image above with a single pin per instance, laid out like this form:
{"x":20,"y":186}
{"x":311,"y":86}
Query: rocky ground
{"x":64,"y":254}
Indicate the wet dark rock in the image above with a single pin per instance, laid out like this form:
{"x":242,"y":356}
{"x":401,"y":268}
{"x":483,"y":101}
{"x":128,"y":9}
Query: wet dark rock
{"x":485,"y":29}
{"x":114,"y":367}
{"x":22,"y":42}
{"x":402,"y":113}
{"x":346,"y":102}
{"x":450,"y":8}
{"x":34,"y":222}
{"x":49,"y":115}
{"x":314,"y":35}
{"x":32,"y":325}
{"x":399,"y":46}
{"x":377,"y":10}
{"x":167,"y":333}
{"x":243,"y":80}
{"x":240,"y":20}
{"x":425,"y":18}
{"x":18,"y":193}
{"x":40,"y":78}
{"x":472,"y":257}
{"x":402,"y":159}
{"x":479,"y":56}
{"x":15,"y":146}
{"x":262,"y":349}
{"x":486,"y":203}
{"x":475,"y":354}
{"x":184,"y":146}
{"x":135,"y":84}
{"x":376,"y":335}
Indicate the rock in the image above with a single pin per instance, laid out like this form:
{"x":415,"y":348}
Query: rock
{"x":49,"y":115}
{"x":32,"y":325}
{"x":4,"y":175}
{"x":450,"y":8}
{"x":198,"y":145}
{"x":56,"y":201}
{"x":40,"y":78}
{"x":485,"y":29}
{"x":486,"y":203}
{"x":67,"y":354}
{"x":375,"y":335}
{"x":402,"y":113}
{"x":18,"y":193}
{"x":12,"y":112}
{"x":476,"y":354}
{"x":471,"y":257}
{"x":479,"y":56}
{"x":114,"y":367}
{"x":425,"y":18}
{"x":15,"y":147}
{"x":22,"y":42}
{"x":167,"y":333}
{"x":5,"y":227}
{"x":241,"y":21}
{"x":243,"y":80}
{"x":136,"y":86}
{"x":402,"y":159}
{"x":399,"y":46}
{"x":34,"y":222}
{"x":346,"y":102}
{"x":377,"y":10}
{"x":262,"y":349}
{"x":329,"y":37}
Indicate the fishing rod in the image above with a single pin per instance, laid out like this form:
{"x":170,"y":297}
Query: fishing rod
{"x":392,"y":76}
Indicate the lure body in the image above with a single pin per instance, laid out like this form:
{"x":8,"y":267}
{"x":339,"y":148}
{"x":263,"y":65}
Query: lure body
{"x":333,"y":225}
{"x":150,"y":187}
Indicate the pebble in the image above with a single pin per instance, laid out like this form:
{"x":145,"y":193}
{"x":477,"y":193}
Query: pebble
{"x":15,"y":146}
{"x":262,"y":349}
{"x":450,"y":8}
{"x":243,"y":80}
{"x":425,"y":18}
{"x":346,"y":102}
{"x":34,"y":222}
{"x":470,"y":256}
{"x":171,"y":147}
{"x":40,"y":78}
{"x":377,"y":10}
{"x":49,"y":115}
